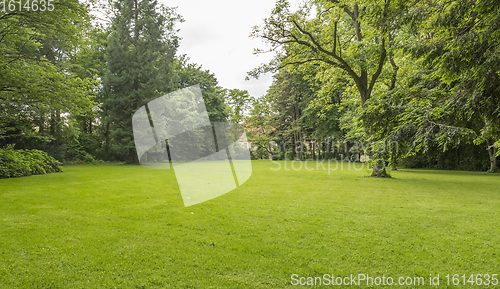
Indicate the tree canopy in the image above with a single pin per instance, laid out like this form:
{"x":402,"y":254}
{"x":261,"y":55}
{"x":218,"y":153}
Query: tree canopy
{"x":404,"y":83}
{"x":422,"y":75}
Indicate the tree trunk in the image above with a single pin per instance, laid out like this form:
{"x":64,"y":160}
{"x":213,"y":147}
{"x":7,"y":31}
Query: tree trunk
{"x":52,"y":123}
{"x":41,"y":126}
{"x":132,"y":156}
{"x":313,"y":148}
{"x":493,"y":160}
{"x":394,"y":164}
{"x":364,"y":94}
{"x":107,"y":139}
{"x":347,"y":147}
{"x":294,"y":151}
{"x":492,"y":152}
{"x":393,"y":159}
{"x":379,"y":169}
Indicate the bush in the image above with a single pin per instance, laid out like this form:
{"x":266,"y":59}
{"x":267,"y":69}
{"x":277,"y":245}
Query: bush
{"x":19,"y":163}
{"x":85,"y":158}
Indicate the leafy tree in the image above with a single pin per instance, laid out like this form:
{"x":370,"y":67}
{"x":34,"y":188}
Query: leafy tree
{"x":258,"y":128}
{"x":286,"y":97}
{"x":37,"y":84}
{"x":238,"y":103}
{"x":325,"y":37}
{"x":458,"y":41}
{"x":295,"y":115}
{"x":190,"y":74}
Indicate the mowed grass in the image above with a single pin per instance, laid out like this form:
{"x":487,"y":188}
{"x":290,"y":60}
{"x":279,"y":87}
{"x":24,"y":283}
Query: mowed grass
{"x":121,"y":226}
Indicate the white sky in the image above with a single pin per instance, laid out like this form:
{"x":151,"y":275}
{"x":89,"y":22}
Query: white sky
{"x":216,"y":33}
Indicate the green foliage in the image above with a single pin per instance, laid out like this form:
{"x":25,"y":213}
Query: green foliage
{"x":19,"y":163}
{"x":346,"y":38}
{"x":458,"y":97}
{"x":34,"y":50}
{"x":464,"y":156}
{"x":422,"y":74}
{"x":294,"y":111}
{"x":349,"y":42}
{"x":41,"y":83}
{"x":190,"y":74}
{"x":238,"y":103}
{"x":140,"y":67}
{"x":258,"y":128}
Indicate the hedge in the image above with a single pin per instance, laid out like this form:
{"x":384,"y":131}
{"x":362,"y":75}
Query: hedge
{"x":19,"y":163}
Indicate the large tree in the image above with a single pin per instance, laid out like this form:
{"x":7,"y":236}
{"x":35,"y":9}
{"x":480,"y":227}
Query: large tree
{"x":460,"y":44}
{"x":37,"y":83}
{"x":347,"y":38}
{"x":345,"y":35}
{"x":140,"y":58}
{"x":450,"y":95}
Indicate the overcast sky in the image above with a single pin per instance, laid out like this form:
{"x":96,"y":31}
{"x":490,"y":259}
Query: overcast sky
{"x":216,"y":33}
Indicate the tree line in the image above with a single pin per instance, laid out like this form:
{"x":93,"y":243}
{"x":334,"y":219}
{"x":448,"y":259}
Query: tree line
{"x":415,"y":82}
{"x":408,"y":83}
{"x":72,"y":78}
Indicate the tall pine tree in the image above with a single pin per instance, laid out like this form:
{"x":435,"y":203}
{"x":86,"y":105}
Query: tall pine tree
{"x":140,"y":56}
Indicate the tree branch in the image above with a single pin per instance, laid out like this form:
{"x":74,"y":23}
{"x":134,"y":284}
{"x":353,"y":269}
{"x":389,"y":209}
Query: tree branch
{"x":343,"y":64}
{"x":380,"y":65}
{"x":395,"y":68}
{"x":335,"y":39}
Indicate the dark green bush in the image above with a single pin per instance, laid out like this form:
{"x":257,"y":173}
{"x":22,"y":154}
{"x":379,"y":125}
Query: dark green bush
{"x":19,"y":163}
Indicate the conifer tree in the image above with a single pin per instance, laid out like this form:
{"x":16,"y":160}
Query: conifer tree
{"x":140,"y":56}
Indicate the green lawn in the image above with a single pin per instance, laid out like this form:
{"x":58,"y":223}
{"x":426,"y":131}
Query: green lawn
{"x":118,"y":226}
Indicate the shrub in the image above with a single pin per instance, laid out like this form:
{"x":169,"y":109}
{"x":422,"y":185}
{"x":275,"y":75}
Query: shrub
{"x":19,"y":163}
